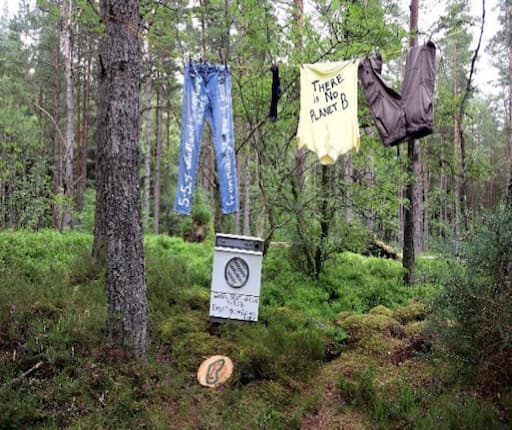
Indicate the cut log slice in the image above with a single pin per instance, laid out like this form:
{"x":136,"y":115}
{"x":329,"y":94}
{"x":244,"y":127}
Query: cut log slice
{"x":214,"y":371}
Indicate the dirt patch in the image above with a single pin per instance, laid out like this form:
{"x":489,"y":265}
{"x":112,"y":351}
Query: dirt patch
{"x":332,"y":412}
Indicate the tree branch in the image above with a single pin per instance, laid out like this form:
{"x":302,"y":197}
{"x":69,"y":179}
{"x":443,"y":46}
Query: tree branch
{"x":93,"y":6}
{"x":22,"y":376}
{"x":52,"y":120}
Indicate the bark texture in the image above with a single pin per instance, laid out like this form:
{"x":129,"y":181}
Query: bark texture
{"x":70,"y":114}
{"x":508,"y":153}
{"x":158,"y":162}
{"x":58,"y":141}
{"x":411,"y":218}
{"x":147,"y":149}
{"x":118,"y":215}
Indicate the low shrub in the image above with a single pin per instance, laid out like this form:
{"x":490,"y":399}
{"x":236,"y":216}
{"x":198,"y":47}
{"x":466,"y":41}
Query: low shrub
{"x":458,"y":411}
{"x":414,"y":311}
{"x":473,"y":314}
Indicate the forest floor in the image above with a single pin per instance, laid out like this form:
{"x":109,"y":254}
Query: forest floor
{"x":383,"y":357}
{"x":353,"y":350}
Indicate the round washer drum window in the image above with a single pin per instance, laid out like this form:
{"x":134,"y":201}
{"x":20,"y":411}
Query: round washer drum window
{"x":236,"y":272}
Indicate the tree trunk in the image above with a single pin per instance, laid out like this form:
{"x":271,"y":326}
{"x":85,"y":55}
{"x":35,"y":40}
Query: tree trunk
{"x":68,"y":154}
{"x":119,"y":209}
{"x":347,"y":173}
{"x":167,"y":165}
{"x":236,"y":217}
{"x":411,"y":210}
{"x":401,"y":207}
{"x":325,"y":221}
{"x":426,"y":208}
{"x":85,"y":127}
{"x":300,"y":153}
{"x":247,"y":193}
{"x":58,"y":143}
{"x":369,"y":185}
{"x":490,"y":182}
{"x":456,"y":151}
{"x":420,"y":186}
{"x":464,"y":187}
{"x":158,"y":159}
{"x":147,"y":149}
{"x":508,"y":156}
{"x":77,"y":162}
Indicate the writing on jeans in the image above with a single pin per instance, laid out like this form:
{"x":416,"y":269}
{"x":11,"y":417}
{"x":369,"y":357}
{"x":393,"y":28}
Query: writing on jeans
{"x":328,"y":97}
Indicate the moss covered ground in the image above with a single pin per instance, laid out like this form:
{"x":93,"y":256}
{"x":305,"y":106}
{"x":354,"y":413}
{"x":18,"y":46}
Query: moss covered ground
{"x":353,"y":349}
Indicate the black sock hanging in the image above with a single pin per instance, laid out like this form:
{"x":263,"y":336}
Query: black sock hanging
{"x":276,"y":92}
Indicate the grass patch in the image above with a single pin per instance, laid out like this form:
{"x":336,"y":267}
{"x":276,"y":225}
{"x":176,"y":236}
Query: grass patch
{"x":57,"y":372}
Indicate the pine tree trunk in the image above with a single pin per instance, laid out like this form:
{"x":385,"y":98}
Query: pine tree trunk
{"x":409,"y":257}
{"x":68,"y":154}
{"x":236,"y":217}
{"x":347,"y":173}
{"x":147,"y":149}
{"x":369,"y":185}
{"x":118,"y":134}
{"x":299,"y":152}
{"x":77,"y":162}
{"x":508,"y":156}
{"x":420,"y":186}
{"x":457,"y":187}
{"x":401,"y":207}
{"x":411,"y":210}
{"x":58,"y":143}
{"x":325,"y":221}
{"x":247,"y":194}
{"x":426,"y":208}
{"x":158,"y":160}
{"x":85,"y":127}
{"x":464,"y":184}
{"x":167,"y":165}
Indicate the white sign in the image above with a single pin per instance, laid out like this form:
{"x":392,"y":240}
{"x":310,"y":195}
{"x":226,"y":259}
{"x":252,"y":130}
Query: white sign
{"x":234,"y":306}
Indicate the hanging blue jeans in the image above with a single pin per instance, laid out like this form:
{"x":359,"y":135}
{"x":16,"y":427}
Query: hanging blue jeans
{"x":207,"y":91}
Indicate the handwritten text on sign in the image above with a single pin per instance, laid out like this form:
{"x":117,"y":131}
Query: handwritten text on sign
{"x":327,"y":94}
{"x":234,"y":306}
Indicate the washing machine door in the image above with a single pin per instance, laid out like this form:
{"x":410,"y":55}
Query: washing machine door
{"x":237,"y":271}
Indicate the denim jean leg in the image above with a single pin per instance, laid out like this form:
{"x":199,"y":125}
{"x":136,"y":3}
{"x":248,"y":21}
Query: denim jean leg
{"x":195,"y":103}
{"x":221,"y":120}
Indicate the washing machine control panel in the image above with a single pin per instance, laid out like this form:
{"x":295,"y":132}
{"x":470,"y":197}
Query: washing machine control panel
{"x":247,"y":244}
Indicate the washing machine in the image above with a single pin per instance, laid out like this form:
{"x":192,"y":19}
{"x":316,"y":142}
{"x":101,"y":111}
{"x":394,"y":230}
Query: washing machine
{"x":236,"y":278}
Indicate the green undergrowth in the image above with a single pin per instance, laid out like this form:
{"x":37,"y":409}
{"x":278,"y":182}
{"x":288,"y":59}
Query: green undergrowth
{"x":56,"y":371}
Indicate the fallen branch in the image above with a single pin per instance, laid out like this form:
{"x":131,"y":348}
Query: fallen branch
{"x":15,"y":381}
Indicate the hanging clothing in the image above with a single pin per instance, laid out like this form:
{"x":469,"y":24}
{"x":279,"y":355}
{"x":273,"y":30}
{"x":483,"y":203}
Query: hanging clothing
{"x":207,"y":93}
{"x":328,"y":109}
{"x":276,"y":93}
{"x":410,"y":113}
